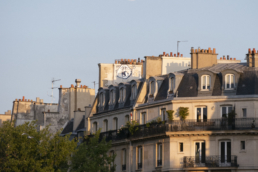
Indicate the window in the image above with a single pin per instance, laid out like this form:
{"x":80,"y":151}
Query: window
{"x":112,"y":97}
{"x":152,"y":88}
{"x":122,"y":94}
{"x":163,"y":114}
{"x":206,"y":82}
{"x":200,"y":152}
{"x":124,"y":159}
{"x":105,"y":125}
{"x":244,"y":112}
{"x":181,"y":147}
{"x":112,"y":154}
{"x":225,"y":110}
{"x":201,"y":114}
{"x":101,"y":99}
{"x":95,"y":127}
{"x":134,"y":91}
{"x":126,"y":119}
{"x":115,"y":124}
{"x":229,"y":81}
{"x":143,"y":118}
{"x":225,"y":152}
{"x":242,"y":145}
{"x":139,"y":157}
{"x":171,"y":85}
{"x":159,"y":161}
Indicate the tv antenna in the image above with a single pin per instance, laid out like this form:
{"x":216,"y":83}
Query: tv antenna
{"x":178,"y":45}
{"x":94,"y":82}
{"x":52,"y":94}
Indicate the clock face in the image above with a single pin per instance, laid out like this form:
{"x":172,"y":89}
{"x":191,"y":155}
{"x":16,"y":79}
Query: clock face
{"x":124,"y":72}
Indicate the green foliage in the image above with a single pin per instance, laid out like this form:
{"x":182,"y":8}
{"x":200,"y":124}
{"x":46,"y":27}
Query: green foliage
{"x":93,"y":156}
{"x":153,"y":122}
{"x":158,"y":120}
{"x":183,"y":112}
{"x":232,"y":114}
{"x":148,"y":125}
{"x":170,"y":115}
{"x":23,"y":148}
{"x":132,"y":126}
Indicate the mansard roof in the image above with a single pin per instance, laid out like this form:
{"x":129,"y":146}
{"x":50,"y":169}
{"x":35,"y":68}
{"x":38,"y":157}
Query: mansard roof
{"x":68,"y":128}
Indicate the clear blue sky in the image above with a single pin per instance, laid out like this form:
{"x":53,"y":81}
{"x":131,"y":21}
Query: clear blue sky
{"x":66,"y":39}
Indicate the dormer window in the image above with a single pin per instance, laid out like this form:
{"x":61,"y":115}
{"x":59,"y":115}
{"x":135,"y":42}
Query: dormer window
{"x":101,"y":104}
{"x":229,"y":81}
{"x":152,"y":88}
{"x":112,"y":97}
{"x":171,"y":85}
{"x":134,"y":91}
{"x":122,"y":95}
{"x":205,"y":82}
{"x":101,"y":99}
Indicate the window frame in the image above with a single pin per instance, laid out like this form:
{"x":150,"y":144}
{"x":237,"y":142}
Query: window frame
{"x":245,"y":112}
{"x":159,"y":154}
{"x":141,"y":118}
{"x":163,"y":114}
{"x":179,"y":147}
{"x":227,"y":109}
{"x":230,"y":82}
{"x":171,"y":84}
{"x":115,"y":123}
{"x":139,"y":158}
{"x":241,"y":148}
{"x":206,"y":83}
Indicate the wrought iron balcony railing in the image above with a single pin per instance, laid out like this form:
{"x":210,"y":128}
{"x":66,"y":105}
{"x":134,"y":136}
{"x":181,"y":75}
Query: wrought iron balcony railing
{"x":159,"y":163}
{"x":158,"y":129}
{"x":123,"y":167}
{"x":139,"y":166}
{"x":210,"y":161}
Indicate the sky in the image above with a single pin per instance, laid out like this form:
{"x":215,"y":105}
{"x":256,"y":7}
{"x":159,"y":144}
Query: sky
{"x":66,"y":39}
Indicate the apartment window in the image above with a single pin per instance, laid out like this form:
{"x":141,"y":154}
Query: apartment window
{"x":152,"y":87}
{"x":124,"y":159}
{"x":112,"y":97}
{"x":242,"y":145}
{"x":143,"y":118}
{"x":229,"y":81}
{"x":112,"y":154}
{"x":95,"y":127}
{"x":126,"y":119}
{"x":122,"y":94}
{"x":159,"y":161}
{"x":171,"y":84}
{"x":244,"y":112}
{"x":115,"y":123}
{"x":163,"y":114}
{"x":201,"y":114}
{"x":101,"y":99}
{"x":206,"y":82}
{"x":181,"y":147}
{"x":134,"y":91}
{"x":105,"y":125}
{"x":139,"y":157}
{"x":225,"y":110}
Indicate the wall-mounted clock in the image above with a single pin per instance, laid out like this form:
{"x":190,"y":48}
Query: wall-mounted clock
{"x":124,"y":72}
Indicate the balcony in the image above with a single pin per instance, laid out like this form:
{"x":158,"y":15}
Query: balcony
{"x":213,"y":124}
{"x":160,"y":129}
{"x":210,"y":161}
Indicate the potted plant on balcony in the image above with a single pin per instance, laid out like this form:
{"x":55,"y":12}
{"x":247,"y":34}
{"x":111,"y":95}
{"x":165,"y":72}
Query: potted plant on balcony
{"x":132,"y":126}
{"x":231,"y":119}
{"x":170,"y":115}
{"x":183,"y":112}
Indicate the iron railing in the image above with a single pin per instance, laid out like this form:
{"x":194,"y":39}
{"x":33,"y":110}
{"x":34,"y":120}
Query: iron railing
{"x":159,"y":162}
{"x":210,"y":161}
{"x":213,"y":124}
{"x":139,"y":166}
{"x":123,"y":167}
{"x":159,"y":129}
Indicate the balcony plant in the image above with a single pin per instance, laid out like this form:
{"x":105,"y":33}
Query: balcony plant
{"x":170,"y":115}
{"x":132,"y":126}
{"x":183,"y":112}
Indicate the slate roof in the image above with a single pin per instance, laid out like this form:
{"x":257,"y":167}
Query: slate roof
{"x":239,"y":67}
{"x":163,"y":90}
{"x":68,"y":128}
{"x":82,"y":124}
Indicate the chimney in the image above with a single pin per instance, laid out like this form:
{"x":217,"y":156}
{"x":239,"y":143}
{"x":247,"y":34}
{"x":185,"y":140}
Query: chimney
{"x":171,"y":54}
{"x":227,"y":57}
{"x":164,"y":53}
{"x":252,"y":58}
{"x":203,"y":58}
{"x":78,"y":81}
{"x":23,"y":97}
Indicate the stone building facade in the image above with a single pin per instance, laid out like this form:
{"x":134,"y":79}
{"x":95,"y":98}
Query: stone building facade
{"x":219,"y":134}
{"x":72,"y":100}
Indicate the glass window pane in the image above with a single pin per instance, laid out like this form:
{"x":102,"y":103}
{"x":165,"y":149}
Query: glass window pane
{"x":232,"y":81}
{"x":244,"y":112}
{"x":230,"y":109}
{"x":205,"y":114}
{"x":227,"y":81}
{"x":198,"y":113}
{"x":208,"y":82}
{"x":204,"y":82}
{"x":224,"y":111}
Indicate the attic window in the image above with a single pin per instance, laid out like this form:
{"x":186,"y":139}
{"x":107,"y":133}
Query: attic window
{"x":122,"y":94}
{"x":112,"y":97}
{"x":171,"y":85}
{"x":152,"y":87}
{"x":134,"y":91}
{"x":229,"y":81}
{"x":101,"y":99}
{"x":205,"y":82}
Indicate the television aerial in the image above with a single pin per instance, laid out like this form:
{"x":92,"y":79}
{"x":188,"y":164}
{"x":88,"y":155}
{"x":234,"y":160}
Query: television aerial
{"x":52,"y":94}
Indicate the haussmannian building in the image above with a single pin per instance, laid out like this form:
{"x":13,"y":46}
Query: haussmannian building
{"x":208,"y":140}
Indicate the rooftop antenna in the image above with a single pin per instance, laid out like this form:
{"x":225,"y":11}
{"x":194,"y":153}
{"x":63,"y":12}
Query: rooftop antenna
{"x":178,"y":45}
{"x":52,"y":94}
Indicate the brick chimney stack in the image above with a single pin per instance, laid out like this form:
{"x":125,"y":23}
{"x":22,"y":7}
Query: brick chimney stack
{"x":78,"y":82}
{"x":252,"y":58}
{"x":201,"y":58}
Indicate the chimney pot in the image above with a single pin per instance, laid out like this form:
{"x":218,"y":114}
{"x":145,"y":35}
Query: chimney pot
{"x":220,"y":58}
{"x":23,"y":97}
{"x":115,"y":61}
{"x":19,"y":99}
{"x":234,"y":58}
{"x":195,"y":50}
{"x":16,"y":100}
{"x":181,"y":55}
{"x":209,"y":50}
{"x":224,"y":58}
{"x":205,"y":51}
{"x":72,"y":86}
{"x":178,"y":54}
{"x":254,"y":50}
{"x":174,"y":55}
{"x":61,"y":86}
{"x":227,"y":57}
{"x":164,"y":53}
{"x":171,"y":54}
{"x":230,"y":58}
{"x":28,"y":100}
{"x":214,"y":50}
{"x":249,"y":50}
